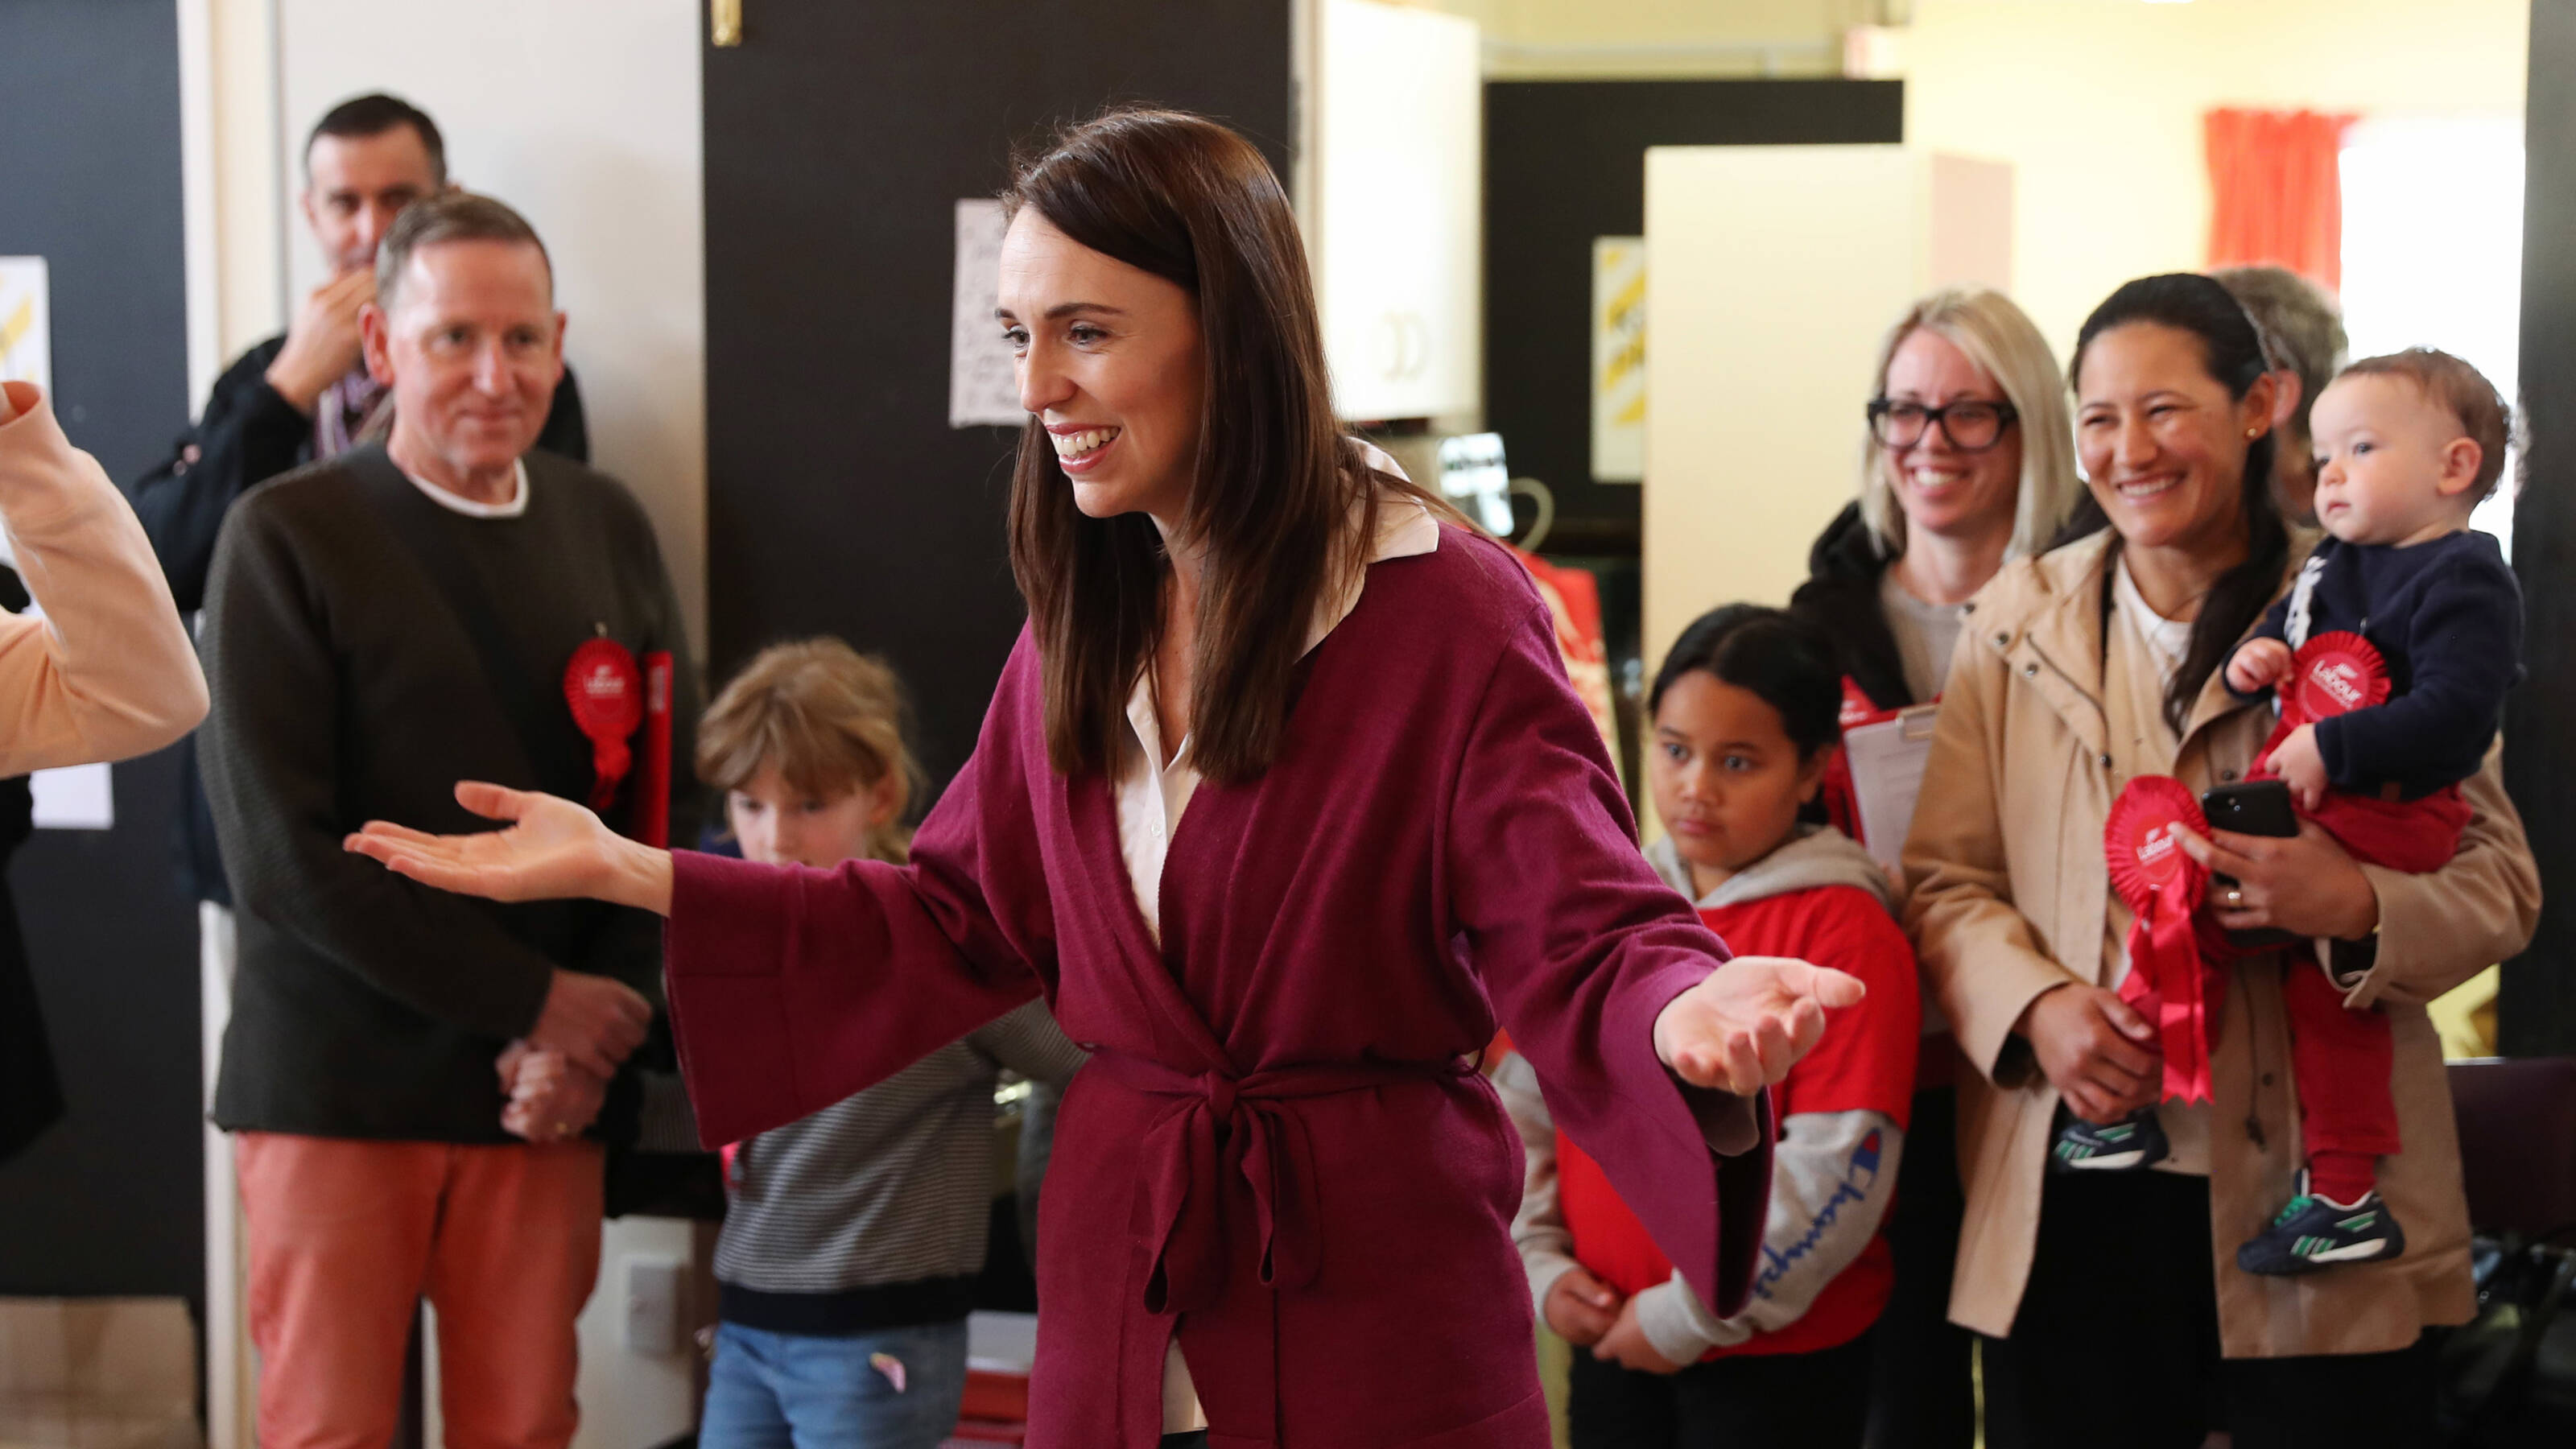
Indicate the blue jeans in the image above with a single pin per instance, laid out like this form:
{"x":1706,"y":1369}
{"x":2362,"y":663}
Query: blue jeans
{"x":809,"y":1391}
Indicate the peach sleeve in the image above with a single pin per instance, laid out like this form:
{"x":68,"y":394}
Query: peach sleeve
{"x":108,"y":672}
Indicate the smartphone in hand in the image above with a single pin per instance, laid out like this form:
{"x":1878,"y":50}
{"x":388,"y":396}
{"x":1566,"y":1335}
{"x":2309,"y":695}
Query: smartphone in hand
{"x":2251,"y":807}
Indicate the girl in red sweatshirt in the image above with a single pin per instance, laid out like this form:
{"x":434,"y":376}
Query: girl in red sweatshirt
{"x":1745,"y":717}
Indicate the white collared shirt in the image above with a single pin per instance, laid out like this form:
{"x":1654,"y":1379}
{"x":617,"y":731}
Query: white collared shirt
{"x":1151,"y":796}
{"x":2170,"y":639}
{"x":458,"y":503}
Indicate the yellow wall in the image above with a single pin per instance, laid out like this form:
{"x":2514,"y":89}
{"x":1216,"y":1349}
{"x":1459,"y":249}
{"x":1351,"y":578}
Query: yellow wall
{"x":2097,"y":105}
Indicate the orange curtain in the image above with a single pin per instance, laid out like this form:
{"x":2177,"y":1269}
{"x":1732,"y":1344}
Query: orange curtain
{"x":2276,"y":190}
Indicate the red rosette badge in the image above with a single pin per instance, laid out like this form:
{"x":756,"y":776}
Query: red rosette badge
{"x":2334,"y":674}
{"x":2169,"y":981}
{"x":606,"y":692}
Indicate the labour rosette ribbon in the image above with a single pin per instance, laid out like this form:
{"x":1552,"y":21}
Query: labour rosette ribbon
{"x":606,"y":692}
{"x":2333,"y":674}
{"x":2173,"y":978}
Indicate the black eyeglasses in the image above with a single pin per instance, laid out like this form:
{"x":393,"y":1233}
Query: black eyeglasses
{"x":1971,"y":426}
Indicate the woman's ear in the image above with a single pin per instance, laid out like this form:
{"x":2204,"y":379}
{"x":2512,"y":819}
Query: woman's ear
{"x":2261,"y":408}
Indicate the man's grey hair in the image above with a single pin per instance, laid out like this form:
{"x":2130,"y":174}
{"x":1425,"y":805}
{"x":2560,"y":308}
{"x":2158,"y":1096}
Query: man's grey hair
{"x":449,"y":216}
{"x":2301,"y":327}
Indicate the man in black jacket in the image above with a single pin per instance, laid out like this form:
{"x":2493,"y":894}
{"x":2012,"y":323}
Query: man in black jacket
{"x":305,"y":395}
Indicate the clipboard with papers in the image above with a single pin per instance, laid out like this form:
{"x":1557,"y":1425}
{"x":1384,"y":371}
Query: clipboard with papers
{"x":1886,"y":761}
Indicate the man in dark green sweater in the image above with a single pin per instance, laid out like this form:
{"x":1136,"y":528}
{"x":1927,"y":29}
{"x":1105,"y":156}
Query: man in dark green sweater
{"x":446,"y":605}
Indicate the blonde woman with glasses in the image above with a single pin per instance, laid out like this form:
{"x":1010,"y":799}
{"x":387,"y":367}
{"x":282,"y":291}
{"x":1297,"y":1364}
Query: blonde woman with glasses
{"x":1968,"y":461}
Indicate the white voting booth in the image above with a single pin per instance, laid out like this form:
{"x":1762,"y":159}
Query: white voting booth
{"x":1772,"y":276}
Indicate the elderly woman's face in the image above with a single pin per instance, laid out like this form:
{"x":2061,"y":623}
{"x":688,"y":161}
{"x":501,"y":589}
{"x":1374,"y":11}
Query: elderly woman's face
{"x":2162,"y":444}
{"x":1110,"y":362}
{"x":1943,"y":487}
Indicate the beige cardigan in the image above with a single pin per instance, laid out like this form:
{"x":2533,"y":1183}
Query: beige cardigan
{"x":108,"y":673}
{"x":2009,"y":897}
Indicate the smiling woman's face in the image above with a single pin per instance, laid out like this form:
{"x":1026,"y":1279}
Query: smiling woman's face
{"x":1942,"y":487}
{"x":1109,"y":359}
{"x":2162,"y":444}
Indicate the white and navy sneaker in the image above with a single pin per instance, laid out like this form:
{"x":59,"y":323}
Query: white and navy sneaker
{"x":2135,"y":1141}
{"x":2316,"y":1232}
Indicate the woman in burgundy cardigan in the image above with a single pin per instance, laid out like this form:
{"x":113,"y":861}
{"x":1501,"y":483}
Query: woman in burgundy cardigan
{"x":1280,"y":1207}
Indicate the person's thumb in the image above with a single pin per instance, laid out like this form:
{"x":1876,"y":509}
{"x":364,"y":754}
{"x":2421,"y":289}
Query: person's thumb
{"x":2130,"y":1024}
{"x":1826,"y":986}
{"x":492,"y":802}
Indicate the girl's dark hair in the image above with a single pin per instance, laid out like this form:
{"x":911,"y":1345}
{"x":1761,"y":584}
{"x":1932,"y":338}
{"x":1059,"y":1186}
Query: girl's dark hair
{"x":1787,"y":661}
{"x":2232,"y":351}
{"x":1190,"y":201}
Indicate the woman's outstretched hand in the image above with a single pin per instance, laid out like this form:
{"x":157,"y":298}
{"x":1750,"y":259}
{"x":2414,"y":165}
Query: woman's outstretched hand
{"x":553,"y":849}
{"x":1742,"y":1028}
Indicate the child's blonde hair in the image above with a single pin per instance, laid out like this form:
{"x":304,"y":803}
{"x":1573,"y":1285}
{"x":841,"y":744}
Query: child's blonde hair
{"x":827,"y":717}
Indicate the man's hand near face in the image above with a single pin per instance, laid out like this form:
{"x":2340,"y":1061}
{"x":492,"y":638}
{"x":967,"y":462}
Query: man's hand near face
{"x":323,"y":344}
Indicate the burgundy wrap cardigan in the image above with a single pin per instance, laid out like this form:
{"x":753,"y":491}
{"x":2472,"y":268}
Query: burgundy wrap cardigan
{"x":1281,"y":1150}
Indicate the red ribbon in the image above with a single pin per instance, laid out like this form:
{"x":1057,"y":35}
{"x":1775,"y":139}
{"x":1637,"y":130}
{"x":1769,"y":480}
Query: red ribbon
{"x":2173,"y":979}
{"x":2333,"y":674}
{"x":606,"y":692}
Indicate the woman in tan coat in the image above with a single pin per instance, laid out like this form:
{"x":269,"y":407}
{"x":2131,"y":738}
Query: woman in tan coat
{"x":2113,"y":1310}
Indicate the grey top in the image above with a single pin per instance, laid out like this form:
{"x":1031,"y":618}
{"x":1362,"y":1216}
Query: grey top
{"x":1926,"y":634}
{"x":893,"y":1184}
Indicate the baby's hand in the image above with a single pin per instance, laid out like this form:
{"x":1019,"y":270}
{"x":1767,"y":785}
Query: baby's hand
{"x":2301,"y":767}
{"x":2258,"y":663}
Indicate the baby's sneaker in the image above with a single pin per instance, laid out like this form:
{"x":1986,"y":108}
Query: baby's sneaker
{"x":2315,"y":1232}
{"x":2133,"y":1142}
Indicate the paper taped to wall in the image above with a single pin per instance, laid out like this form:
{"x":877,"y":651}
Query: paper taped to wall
{"x":1887,"y":775}
{"x":983,"y":390}
{"x":72,"y":797}
{"x":26,"y":323}
{"x":75,"y":797}
{"x":1618,"y":359}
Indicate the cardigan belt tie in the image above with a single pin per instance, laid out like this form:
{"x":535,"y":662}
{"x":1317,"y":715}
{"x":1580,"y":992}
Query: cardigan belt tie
{"x":1227,"y":1135}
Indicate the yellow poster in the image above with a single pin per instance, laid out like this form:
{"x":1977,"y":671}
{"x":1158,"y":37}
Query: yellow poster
{"x":1618,"y":359}
{"x":26,"y":330}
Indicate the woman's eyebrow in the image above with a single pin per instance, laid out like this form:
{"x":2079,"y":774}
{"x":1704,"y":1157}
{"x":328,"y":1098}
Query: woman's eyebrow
{"x":1062,"y":310}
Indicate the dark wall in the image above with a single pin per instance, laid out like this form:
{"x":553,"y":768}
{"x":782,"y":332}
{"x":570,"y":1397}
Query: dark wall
{"x":109,"y":1200}
{"x":2537,"y":1012}
{"x":838,"y":139}
{"x":1565,"y":163}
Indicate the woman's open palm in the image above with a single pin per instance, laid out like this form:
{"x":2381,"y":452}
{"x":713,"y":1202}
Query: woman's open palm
{"x":553,"y":848}
{"x":1744,"y":1026}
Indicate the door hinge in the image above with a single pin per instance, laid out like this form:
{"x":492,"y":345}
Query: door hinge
{"x":724,"y":22}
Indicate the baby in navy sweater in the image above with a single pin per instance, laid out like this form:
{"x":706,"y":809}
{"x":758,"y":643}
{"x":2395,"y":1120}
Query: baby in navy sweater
{"x":2390,"y":657}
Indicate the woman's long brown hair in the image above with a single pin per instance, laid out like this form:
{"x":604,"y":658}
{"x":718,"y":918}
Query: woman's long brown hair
{"x":1276,"y":482}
